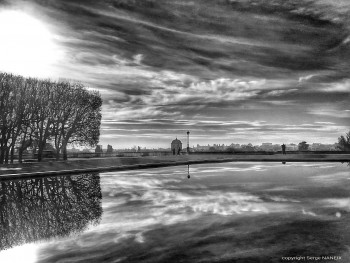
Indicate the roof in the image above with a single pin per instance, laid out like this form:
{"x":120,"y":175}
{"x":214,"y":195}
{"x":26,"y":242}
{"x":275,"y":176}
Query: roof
{"x":176,"y":141}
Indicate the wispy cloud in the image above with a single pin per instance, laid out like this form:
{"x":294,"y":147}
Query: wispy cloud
{"x":270,"y":61}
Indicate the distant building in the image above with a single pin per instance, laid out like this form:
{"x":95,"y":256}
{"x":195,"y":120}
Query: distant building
{"x":176,"y":146}
{"x":98,"y":149}
{"x":109,"y":149}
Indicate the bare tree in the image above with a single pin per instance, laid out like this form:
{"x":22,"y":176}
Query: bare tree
{"x":303,"y":146}
{"x":35,"y":112}
{"x":77,"y":120}
{"x":344,"y":142}
{"x":28,"y":126}
{"x":84,"y":125}
{"x":10,"y":87}
{"x":43,"y":116}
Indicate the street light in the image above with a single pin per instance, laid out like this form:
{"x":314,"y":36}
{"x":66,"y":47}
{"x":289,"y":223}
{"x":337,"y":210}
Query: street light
{"x":188,"y":142}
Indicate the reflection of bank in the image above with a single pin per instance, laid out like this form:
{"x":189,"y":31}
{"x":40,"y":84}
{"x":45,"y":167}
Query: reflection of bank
{"x":35,"y":209}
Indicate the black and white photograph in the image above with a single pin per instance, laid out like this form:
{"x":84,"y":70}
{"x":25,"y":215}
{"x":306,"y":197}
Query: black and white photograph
{"x":174,"y":131}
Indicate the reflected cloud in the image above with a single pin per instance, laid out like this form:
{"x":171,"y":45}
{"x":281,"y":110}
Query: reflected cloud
{"x":343,"y":203}
{"x":137,"y":202}
{"x":309,"y":213}
{"x":158,"y":215}
{"x":330,"y":179}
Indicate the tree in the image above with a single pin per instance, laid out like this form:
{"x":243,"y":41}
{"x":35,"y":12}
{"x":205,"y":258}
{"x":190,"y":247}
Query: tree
{"x":26,"y":124}
{"x":11,"y":98}
{"x":248,"y":148}
{"x":110,"y":149}
{"x":35,"y":112}
{"x":44,"y":115}
{"x":83,"y":123}
{"x":303,"y":146}
{"x":344,"y":142}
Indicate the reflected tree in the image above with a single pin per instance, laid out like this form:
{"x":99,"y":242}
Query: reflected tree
{"x":348,"y":163}
{"x":36,"y":209}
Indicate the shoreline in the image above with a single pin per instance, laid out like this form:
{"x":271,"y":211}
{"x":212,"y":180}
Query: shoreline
{"x":17,"y":171}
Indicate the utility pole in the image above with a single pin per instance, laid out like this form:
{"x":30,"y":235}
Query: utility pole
{"x":188,"y":142}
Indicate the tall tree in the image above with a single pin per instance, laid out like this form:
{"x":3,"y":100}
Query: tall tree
{"x":35,"y":112}
{"x":44,"y":118}
{"x":9,"y":93}
{"x":28,"y":127}
{"x":303,"y":146}
{"x":77,"y":119}
{"x":84,"y":126}
{"x":344,"y":142}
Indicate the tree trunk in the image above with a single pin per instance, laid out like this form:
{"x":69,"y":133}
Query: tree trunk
{"x":57,"y":153}
{"x":7,"y":155}
{"x":20,"y":154}
{"x":40,"y":151}
{"x":2,"y":154}
{"x":12,"y":153}
{"x":65,"y":157}
{"x":3,"y":149}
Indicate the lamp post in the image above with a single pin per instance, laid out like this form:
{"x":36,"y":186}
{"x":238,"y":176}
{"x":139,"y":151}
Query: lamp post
{"x":188,"y":142}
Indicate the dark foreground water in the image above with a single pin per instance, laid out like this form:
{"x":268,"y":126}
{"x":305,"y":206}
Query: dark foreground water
{"x":231,"y":212}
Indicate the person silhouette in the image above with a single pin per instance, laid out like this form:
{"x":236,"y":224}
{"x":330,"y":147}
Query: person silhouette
{"x":283,"y":149}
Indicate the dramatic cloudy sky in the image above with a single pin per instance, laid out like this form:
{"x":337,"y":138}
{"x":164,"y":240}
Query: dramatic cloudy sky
{"x":227,"y":70}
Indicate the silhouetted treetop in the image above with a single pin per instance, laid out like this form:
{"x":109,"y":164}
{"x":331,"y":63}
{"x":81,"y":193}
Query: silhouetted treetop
{"x":344,"y":142}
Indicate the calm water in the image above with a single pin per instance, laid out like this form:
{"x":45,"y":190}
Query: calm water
{"x":231,"y":212}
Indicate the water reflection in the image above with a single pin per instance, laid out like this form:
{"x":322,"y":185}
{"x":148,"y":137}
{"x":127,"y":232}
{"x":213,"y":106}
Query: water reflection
{"x":188,"y":172}
{"x":229,"y":212}
{"x":348,"y":163}
{"x":35,"y":209}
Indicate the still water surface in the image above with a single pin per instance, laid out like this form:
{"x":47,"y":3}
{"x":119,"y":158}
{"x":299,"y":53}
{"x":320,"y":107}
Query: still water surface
{"x":232,"y":212}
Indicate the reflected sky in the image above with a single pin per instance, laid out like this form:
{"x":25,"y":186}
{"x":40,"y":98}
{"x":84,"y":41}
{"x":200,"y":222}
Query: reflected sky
{"x":223,"y":213}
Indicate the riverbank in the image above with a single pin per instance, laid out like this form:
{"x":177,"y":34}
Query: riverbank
{"x":73,"y":166}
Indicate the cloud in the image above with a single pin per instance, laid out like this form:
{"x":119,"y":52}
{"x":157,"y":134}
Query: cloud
{"x":336,"y":113}
{"x":279,"y":62}
{"x":216,"y":91}
{"x":304,"y":78}
{"x":343,"y":86}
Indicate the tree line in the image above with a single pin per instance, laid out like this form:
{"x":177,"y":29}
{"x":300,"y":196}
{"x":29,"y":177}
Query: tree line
{"x":344,"y":142}
{"x":36,"y":112}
